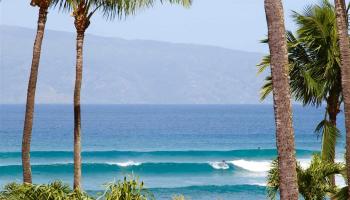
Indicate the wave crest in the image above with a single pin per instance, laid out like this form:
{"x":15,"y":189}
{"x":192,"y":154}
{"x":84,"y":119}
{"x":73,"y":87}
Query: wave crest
{"x":253,"y":166}
{"x":219,"y":165}
{"x":125,"y":164}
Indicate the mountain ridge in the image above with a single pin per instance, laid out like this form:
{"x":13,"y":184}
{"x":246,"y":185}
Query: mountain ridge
{"x":119,"y":71}
{"x":130,"y":40}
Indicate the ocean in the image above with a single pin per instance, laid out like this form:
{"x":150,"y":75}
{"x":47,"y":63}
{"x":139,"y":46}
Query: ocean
{"x":174,"y":149}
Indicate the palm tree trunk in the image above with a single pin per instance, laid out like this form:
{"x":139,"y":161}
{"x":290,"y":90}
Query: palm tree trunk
{"x":282,"y":100}
{"x":77,"y":114}
{"x":28,"y":121}
{"x":333,"y":110}
{"x":344,"y":7}
{"x":345,"y":74}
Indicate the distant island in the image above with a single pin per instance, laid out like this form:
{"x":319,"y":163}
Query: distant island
{"x":122,"y":71}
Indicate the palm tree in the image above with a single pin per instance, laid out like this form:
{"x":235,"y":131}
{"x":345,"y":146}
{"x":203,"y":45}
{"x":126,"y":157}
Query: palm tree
{"x":314,"y":68}
{"x":346,"y":10}
{"x":282,"y":100}
{"x":344,"y":45}
{"x":83,"y":10}
{"x":313,"y":182}
{"x":28,"y":121}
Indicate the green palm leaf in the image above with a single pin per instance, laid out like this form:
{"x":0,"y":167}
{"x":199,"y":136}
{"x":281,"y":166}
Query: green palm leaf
{"x":114,"y":8}
{"x":342,"y":194}
{"x":313,"y":182}
{"x":329,"y":133}
{"x":314,"y":66}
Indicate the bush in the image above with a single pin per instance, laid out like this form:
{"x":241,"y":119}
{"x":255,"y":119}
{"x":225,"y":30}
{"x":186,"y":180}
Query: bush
{"x":122,"y":190}
{"x":313,"y":182}
{"x":53,"y":191}
{"x":126,"y":190}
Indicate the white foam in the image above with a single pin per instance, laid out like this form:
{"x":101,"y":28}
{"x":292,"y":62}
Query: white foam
{"x":125,"y":164}
{"x":219,"y":165}
{"x":304,"y":163}
{"x":253,"y":166}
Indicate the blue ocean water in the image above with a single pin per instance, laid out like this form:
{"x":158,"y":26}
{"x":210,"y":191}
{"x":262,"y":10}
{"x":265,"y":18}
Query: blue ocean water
{"x":174,"y":149}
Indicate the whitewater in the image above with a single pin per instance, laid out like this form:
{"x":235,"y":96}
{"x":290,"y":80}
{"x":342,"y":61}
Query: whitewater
{"x":202,"y":151}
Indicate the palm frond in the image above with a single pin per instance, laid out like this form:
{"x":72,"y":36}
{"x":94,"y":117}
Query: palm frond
{"x":342,"y":194}
{"x":329,"y":133}
{"x":273,"y":181}
{"x":265,"y":63}
{"x":313,"y":182}
{"x":266,"y":88}
{"x":111,"y":9}
{"x":185,"y":3}
{"x":313,"y":54}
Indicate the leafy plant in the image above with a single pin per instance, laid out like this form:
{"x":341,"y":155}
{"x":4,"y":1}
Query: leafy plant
{"x":314,"y":68}
{"x":52,"y":191}
{"x":126,"y":190}
{"x":342,"y":194}
{"x":313,"y":182}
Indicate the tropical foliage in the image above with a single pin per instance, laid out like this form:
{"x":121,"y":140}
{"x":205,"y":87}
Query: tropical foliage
{"x":342,"y":194}
{"x":126,"y":190}
{"x":314,"y":68}
{"x":315,"y":77}
{"x":53,"y":191}
{"x":313,"y":182}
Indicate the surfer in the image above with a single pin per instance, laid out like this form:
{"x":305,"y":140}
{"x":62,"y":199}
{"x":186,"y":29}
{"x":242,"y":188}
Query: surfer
{"x":223,"y":165}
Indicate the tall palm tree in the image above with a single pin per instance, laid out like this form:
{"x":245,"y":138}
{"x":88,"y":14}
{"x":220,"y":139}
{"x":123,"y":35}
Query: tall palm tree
{"x":83,"y":10}
{"x":344,"y":45}
{"x":314,"y":68}
{"x":282,"y":100}
{"x":28,"y":121}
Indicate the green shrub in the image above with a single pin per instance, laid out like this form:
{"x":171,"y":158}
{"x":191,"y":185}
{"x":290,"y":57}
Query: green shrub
{"x":123,"y":190}
{"x":313,"y":182}
{"x":52,"y":191}
{"x":126,"y":190}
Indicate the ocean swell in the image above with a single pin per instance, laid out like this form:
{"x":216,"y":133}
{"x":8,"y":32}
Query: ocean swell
{"x":145,"y":168}
{"x":253,"y":166}
{"x":233,"y":154}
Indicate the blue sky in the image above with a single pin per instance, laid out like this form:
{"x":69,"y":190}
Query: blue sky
{"x":232,"y":24}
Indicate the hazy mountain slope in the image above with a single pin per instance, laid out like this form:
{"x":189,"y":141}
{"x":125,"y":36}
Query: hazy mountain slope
{"x":123,"y":71}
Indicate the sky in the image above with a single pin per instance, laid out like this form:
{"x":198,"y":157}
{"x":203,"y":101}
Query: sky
{"x":231,"y":24}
